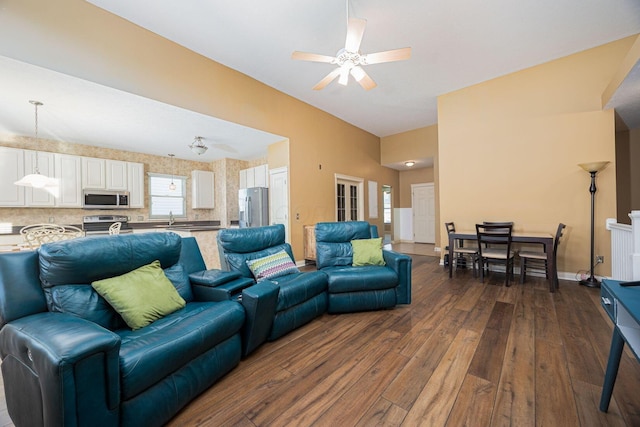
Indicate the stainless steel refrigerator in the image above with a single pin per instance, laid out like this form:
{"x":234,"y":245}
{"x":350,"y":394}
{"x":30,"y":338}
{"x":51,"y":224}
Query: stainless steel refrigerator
{"x":254,"y":207}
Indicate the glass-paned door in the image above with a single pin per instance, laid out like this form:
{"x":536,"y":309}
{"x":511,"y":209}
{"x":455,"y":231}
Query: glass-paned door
{"x":347,"y":201}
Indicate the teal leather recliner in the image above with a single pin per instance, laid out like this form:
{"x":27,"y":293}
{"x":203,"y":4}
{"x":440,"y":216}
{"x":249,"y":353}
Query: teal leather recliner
{"x":68,"y":359}
{"x":360,"y":288}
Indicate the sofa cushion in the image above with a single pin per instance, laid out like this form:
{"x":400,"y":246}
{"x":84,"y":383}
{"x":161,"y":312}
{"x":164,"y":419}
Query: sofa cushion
{"x":179,"y":277}
{"x":272,"y":266}
{"x":297,"y":288}
{"x":150,"y":354}
{"x":141,"y":296}
{"x":367,"y":252}
{"x":367,"y":278}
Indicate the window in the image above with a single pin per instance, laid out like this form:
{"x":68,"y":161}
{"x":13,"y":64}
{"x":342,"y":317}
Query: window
{"x":386,"y":203}
{"x":164,"y":201}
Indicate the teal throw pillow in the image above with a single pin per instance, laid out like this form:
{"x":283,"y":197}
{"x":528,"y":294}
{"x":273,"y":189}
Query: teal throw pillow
{"x":272,"y":266}
{"x":367,"y":252}
{"x":141,"y":296}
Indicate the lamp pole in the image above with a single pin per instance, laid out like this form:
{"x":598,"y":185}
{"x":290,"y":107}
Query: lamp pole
{"x":593,"y":169}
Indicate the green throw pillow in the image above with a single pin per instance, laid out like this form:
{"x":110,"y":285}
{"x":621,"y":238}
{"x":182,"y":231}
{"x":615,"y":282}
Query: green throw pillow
{"x":367,"y":252}
{"x":141,"y":296}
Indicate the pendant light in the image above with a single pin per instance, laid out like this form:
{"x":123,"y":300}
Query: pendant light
{"x":172,"y":186}
{"x":36,"y":179}
{"x":197,"y":146}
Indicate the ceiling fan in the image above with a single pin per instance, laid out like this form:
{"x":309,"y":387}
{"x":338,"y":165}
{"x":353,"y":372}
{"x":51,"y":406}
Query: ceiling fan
{"x":350,"y":60}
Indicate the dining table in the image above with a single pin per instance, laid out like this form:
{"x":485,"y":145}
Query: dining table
{"x":541,"y":238}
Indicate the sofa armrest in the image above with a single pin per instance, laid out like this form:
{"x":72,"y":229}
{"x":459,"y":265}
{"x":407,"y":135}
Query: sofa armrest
{"x":401,"y":264}
{"x":260,"y":302}
{"x":217,"y":285}
{"x":60,"y":369}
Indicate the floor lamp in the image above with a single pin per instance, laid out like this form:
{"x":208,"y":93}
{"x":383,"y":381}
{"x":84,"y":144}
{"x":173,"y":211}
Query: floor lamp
{"x":593,"y":169}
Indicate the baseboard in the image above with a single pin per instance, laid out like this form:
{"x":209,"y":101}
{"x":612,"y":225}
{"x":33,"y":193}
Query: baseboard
{"x":562,"y":275}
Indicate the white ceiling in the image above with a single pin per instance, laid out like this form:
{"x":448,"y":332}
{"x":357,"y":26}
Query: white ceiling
{"x":454,"y":44}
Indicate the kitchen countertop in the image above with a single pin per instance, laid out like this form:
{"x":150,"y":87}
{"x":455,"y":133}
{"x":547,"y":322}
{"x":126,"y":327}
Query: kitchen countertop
{"x":178,"y":225}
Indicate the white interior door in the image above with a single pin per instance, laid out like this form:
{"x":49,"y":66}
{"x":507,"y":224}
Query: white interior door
{"x":279,"y":198}
{"x":424,"y":217}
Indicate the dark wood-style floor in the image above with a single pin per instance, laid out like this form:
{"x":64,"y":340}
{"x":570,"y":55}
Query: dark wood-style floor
{"x":462,"y":354}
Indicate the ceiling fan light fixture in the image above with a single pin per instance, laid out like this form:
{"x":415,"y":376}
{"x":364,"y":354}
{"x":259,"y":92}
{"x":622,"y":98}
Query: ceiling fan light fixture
{"x":344,"y":76}
{"x":197,"y":146}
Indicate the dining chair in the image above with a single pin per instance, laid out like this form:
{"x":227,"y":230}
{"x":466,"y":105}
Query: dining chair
{"x":494,"y":247}
{"x":35,"y":235}
{"x":537,"y":260}
{"x":460,"y":252}
{"x":115,"y":228}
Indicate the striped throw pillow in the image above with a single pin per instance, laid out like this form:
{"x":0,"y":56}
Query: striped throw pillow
{"x":272,"y":266}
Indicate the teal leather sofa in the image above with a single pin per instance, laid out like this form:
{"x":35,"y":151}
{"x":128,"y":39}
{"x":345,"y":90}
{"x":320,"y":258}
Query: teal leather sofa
{"x":359,"y":288}
{"x":68,"y":359}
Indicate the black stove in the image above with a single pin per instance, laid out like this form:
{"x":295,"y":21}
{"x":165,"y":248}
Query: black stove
{"x":99,"y":224}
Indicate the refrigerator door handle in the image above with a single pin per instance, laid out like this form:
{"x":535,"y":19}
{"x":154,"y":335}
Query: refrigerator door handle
{"x":249,"y":216}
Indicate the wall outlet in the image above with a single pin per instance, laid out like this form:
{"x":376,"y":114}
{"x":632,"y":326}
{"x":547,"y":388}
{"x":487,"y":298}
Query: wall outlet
{"x":197,"y":216}
{"x":52,"y":220}
{"x":599,"y":259}
{"x":140,"y":218}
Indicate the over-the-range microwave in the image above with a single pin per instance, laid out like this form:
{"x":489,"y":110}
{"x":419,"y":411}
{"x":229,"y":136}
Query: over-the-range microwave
{"x":105,"y":199}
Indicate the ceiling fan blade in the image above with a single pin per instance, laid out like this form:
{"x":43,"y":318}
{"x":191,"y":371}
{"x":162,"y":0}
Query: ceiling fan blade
{"x":225,"y":147}
{"x":305,"y":56}
{"x":363,"y":78}
{"x":355,"y":31}
{"x":328,"y":79}
{"x":387,"y":56}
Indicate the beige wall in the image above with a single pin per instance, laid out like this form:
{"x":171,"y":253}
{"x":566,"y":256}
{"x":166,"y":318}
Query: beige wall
{"x":518,"y":140}
{"x":79,"y":39}
{"x":419,"y":143}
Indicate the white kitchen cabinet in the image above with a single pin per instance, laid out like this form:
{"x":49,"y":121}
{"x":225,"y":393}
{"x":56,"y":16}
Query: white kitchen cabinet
{"x":254,"y":177}
{"x":11,"y":170}
{"x":135,"y":180}
{"x":35,"y":197}
{"x":261,"y":176}
{"x":251,"y":177}
{"x":69,"y":174}
{"x":94,"y":173}
{"x":243,"y":179}
{"x":116,"y":175}
{"x":202,"y":186}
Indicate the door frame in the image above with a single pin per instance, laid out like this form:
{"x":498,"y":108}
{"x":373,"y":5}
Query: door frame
{"x":273,"y":172}
{"x":353,"y":180}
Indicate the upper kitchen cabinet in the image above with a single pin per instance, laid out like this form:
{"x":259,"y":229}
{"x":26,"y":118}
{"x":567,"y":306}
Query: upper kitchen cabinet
{"x":202,"y":185}
{"x":94,"y":174}
{"x":69,"y":174}
{"x":16,"y":163}
{"x":46,"y":166}
{"x":117,"y":175}
{"x":135,"y":178}
{"x":11,"y":170}
{"x":254,"y":177}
